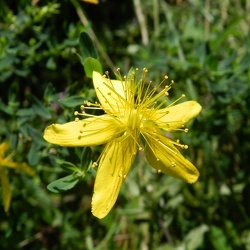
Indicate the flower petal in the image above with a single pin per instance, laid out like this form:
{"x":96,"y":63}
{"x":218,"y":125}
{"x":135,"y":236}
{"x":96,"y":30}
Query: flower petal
{"x":6,"y":189}
{"x":176,"y":116}
{"x":111,"y":93}
{"x":114,"y":166}
{"x":88,"y":132}
{"x":165,"y":157}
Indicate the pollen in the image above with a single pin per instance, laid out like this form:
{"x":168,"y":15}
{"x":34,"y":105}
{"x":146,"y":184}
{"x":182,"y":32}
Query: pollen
{"x":94,"y":164}
{"x":173,"y":164}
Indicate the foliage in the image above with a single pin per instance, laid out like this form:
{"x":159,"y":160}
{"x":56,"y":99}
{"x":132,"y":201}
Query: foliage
{"x":203,"y":46}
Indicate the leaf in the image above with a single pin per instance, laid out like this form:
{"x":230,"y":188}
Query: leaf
{"x":194,"y":239}
{"x":86,"y":159}
{"x":219,"y":239}
{"x":68,"y":166}
{"x":34,"y":154}
{"x":36,"y":136}
{"x":90,"y":65}
{"x":71,"y":101}
{"x":87,"y":47}
{"x":40,"y":109}
{"x":25,"y":112}
{"x":64,"y":184}
{"x":6,"y":108}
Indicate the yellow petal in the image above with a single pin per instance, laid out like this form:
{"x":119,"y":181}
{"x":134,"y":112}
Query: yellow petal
{"x":91,"y":1}
{"x":110,"y":93}
{"x":165,"y":157}
{"x":24,"y":167}
{"x":4,"y":146}
{"x":6,"y":162}
{"x":88,"y":132}
{"x":114,"y":166}
{"x":176,"y":116}
{"x":6,"y":190}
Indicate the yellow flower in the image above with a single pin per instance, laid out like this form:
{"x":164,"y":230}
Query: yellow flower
{"x":6,"y":161}
{"x":135,"y":118}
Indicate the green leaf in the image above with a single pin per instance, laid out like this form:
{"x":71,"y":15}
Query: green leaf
{"x":6,"y":109}
{"x":194,"y":239}
{"x":40,"y":109}
{"x":87,"y":47}
{"x":64,"y":184}
{"x":25,"y":112}
{"x":68,"y":166}
{"x":36,"y":136}
{"x":34,"y":154}
{"x":90,"y":65}
{"x":219,"y":239}
{"x":71,"y":101}
{"x":86,"y":159}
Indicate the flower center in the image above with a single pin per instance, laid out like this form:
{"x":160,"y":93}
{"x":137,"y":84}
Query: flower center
{"x":133,"y":120}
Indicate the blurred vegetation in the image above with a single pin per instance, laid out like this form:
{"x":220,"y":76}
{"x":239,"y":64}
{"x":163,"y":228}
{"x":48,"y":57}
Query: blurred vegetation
{"x":204,"y":46}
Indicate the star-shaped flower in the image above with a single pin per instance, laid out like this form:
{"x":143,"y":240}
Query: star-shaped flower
{"x":135,"y":117}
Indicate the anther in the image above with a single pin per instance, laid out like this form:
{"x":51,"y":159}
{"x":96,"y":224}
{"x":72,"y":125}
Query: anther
{"x":186,"y":130}
{"x":82,"y":107}
{"x":76,"y":119}
{"x":76,"y":113}
{"x":158,"y":171}
{"x":173,"y":164}
{"x":94,"y":164}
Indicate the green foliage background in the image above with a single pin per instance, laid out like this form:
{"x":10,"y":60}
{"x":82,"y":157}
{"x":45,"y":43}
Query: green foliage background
{"x":204,"y":46}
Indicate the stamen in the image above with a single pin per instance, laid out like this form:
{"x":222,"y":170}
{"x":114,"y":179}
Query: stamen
{"x":94,"y":164}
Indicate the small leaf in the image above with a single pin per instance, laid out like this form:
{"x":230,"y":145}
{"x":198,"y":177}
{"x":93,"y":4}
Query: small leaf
{"x":195,"y":238}
{"x":36,"y":136}
{"x":87,"y":47}
{"x":63,"y":184}
{"x":25,"y":112}
{"x":90,"y":65}
{"x":86,"y":159}
{"x":68,"y":166}
{"x":6,"y":108}
{"x":40,"y":109}
{"x":71,"y":101}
